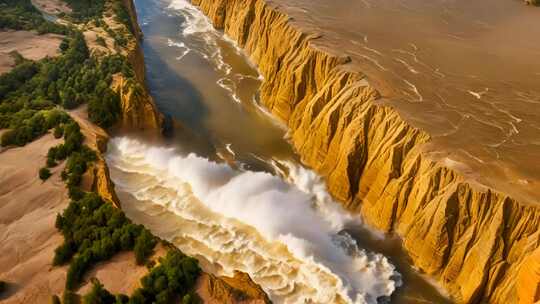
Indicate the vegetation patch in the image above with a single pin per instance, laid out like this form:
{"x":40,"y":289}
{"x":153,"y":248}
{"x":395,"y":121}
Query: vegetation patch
{"x":44,"y":174}
{"x":22,"y":15}
{"x":84,"y":10}
{"x":172,"y":281}
{"x":94,"y":230}
{"x":33,"y":89}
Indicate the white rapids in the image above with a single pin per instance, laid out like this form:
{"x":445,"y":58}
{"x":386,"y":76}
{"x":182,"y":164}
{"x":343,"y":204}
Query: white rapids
{"x":286,"y":235}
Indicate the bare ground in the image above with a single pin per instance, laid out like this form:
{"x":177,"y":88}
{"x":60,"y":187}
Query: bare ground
{"x":28,"y":209}
{"x":51,"y":7}
{"x":29,"y":44}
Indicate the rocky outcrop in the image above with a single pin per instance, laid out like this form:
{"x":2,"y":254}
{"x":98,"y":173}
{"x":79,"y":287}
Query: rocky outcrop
{"x":225,"y":290}
{"x":97,"y":177}
{"x":470,"y":238}
{"x":138,"y":108}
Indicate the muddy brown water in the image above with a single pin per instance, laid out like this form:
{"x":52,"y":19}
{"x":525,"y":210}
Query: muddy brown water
{"x":467,"y":72}
{"x":430,"y":61}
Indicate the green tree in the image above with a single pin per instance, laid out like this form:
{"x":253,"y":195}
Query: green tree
{"x":98,"y":294}
{"x":44,"y":174}
{"x":144,"y":246}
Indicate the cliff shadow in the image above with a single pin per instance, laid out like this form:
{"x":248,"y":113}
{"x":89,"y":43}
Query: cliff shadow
{"x":179,"y":100}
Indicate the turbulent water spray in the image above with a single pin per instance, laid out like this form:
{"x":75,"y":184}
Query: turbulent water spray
{"x":288,"y":238}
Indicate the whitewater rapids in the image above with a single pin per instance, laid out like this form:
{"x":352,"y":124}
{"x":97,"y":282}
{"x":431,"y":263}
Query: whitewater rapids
{"x":288,"y":236}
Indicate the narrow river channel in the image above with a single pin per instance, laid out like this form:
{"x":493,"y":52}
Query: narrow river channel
{"x":227,"y":188}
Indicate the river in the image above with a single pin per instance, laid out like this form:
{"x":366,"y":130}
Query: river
{"x":227,"y":188}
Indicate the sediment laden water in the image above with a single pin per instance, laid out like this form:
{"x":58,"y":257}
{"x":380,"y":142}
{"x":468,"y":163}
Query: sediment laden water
{"x":288,"y":237}
{"x":283,"y":229}
{"x":286,"y":231}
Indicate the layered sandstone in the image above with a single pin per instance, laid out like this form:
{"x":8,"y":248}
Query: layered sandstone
{"x":225,"y":290}
{"x":470,"y":238}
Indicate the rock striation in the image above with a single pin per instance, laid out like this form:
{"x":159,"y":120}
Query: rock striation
{"x":472,"y":239}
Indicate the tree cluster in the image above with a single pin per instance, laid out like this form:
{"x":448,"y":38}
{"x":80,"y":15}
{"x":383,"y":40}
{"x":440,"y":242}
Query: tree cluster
{"x":175,"y":276}
{"x":22,"y":15}
{"x":170,"y":282}
{"x":84,"y":10}
{"x":122,"y":15}
{"x":28,"y":124}
{"x":94,"y":230}
{"x":68,"y":80}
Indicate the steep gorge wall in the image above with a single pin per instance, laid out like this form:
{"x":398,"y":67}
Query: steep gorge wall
{"x":139,"y":112}
{"x":138,"y":108}
{"x":473,"y":240}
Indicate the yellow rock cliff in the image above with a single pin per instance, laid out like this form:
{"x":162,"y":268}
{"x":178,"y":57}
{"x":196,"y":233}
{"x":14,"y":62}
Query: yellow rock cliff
{"x":471,"y":239}
{"x":138,"y":108}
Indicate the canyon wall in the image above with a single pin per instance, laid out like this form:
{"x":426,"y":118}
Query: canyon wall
{"x":139,"y":112}
{"x":138,"y":108}
{"x":473,"y":240}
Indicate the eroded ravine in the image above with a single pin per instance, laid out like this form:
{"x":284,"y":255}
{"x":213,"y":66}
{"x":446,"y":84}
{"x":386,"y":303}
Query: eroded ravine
{"x":235,"y":216}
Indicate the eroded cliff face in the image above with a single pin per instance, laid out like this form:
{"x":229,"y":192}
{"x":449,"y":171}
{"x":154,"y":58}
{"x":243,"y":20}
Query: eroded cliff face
{"x":230,"y":290}
{"x":138,"y":108}
{"x":140,"y":112}
{"x":470,"y":238}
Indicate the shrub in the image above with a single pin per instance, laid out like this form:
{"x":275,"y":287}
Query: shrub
{"x":44,"y":174}
{"x":63,"y":253}
{"x":101,"y":41}
{"x":191,"y":298}
{"x":51,"y":162}
{"x":144,"y":246}
{"x":58,"y":132}
{"x":84,"y":10}
{"x":176,"y":274}
{"x":98,"y":294}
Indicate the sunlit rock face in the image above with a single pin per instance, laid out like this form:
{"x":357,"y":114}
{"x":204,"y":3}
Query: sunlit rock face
{"x":137,"y":106}
{"x":422,"y":117}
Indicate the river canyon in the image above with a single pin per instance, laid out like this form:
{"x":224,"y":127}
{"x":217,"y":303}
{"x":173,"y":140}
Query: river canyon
{"x":414,"y":125}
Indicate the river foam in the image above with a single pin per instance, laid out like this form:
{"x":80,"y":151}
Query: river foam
{"x":287,"y":235}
